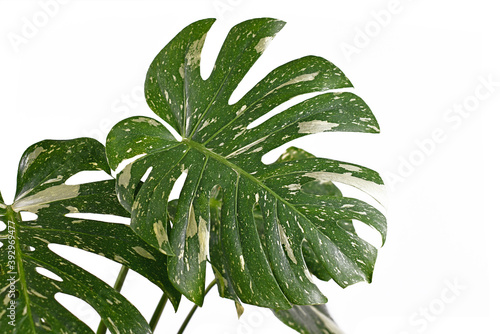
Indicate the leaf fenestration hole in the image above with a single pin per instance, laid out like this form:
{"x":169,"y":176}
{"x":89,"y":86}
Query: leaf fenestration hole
{"x":136,"y":296}
{"x":2,"y":226}
{"x":367,"y":233}
{"x":81,"y":309}
{"x":97,"y":265}
{"x":88,"y":176}
{"x":271,"y":156}
{"x":28,"y":216}
{"x":146,"y":175}
{"x":280,"y":108}
{"x":211,"y":48}
{"x":177,"y":188}
{"x":48,"y":273}
{"x":173,"y":131}
{"x":99,"y":217}
{"x":126,"y":162}
{"x":353,"y":192}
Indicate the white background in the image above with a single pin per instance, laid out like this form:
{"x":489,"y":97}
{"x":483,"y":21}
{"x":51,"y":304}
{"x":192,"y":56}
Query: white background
{"x":81,"y":71}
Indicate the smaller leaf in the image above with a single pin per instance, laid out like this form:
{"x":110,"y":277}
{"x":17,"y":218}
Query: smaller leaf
{"x":309,"y":319}
{"x":42,"y":190}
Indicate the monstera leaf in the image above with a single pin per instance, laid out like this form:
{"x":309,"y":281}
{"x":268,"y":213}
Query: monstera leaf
{"x":220,"y":154}
{"x":31,"y":274}
{"x":309,"y":319}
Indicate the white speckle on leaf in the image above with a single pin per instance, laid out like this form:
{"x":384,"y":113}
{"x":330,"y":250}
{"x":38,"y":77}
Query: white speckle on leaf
{"x":300,"y":78}
{"x":120,"y":259}
{"x":194,"y":53}
{"x":205,"y":124}
{"x":181,"y":70}
{"x":32,"y":156}
{"x":72,"y":209}
{"x":239,"y":133}
{"x":242,"y":109}
{"x":42,"y":199}
{"x":285,"y":242}
{"x":242,"y":263}
{"x":124,"y":176}
{"x":146,"y":120}
{"x":56,"y":179}
{"x":350,"y":168}
{"x":116,"y":330}
{"x":41,"y":239}
{"x":293,"y":187}
{"x":36,"y":293}
{"x":203,"y":236}
{"x":262,"y":45}
{"x":192,"y":227}
{"x":144,"y":253}
{"x":160,"y":233}
{"x":316,"y":126}
{"x":308,"y":275}
{"x":246,"y":148}
{"x":300,"y":226}
{"x":258,"y":149}
{"x":7,"y":299}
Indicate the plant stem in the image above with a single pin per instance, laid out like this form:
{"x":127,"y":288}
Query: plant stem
{"x":193,"y":310}
{"x":118,"y":287}
{"x":159,"y":310}
{"x":121,"y":278}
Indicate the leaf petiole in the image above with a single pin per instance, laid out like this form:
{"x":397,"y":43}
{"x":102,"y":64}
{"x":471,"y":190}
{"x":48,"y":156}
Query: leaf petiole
{"x":193,"y":310}
{"x":118,"y":287}
{"x":158,"y":311}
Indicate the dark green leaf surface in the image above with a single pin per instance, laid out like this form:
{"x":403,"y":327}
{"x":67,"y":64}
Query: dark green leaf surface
{"x":42,"y":190}
{"x":309,"y":319}
{"x":319,"y":188}
{"x":221,"y":155}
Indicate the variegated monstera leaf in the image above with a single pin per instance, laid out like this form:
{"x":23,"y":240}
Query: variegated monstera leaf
{"x":221,"y":157}
{"x":309,"y":319}
{"x":31,"y":274}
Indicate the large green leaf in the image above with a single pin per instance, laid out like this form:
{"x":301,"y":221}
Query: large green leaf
{"x":221,"y":155}
{"x":42,"y":190}
{"x":309,"y":319}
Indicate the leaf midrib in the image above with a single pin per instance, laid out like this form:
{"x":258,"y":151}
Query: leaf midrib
{"x":240,"y":171}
